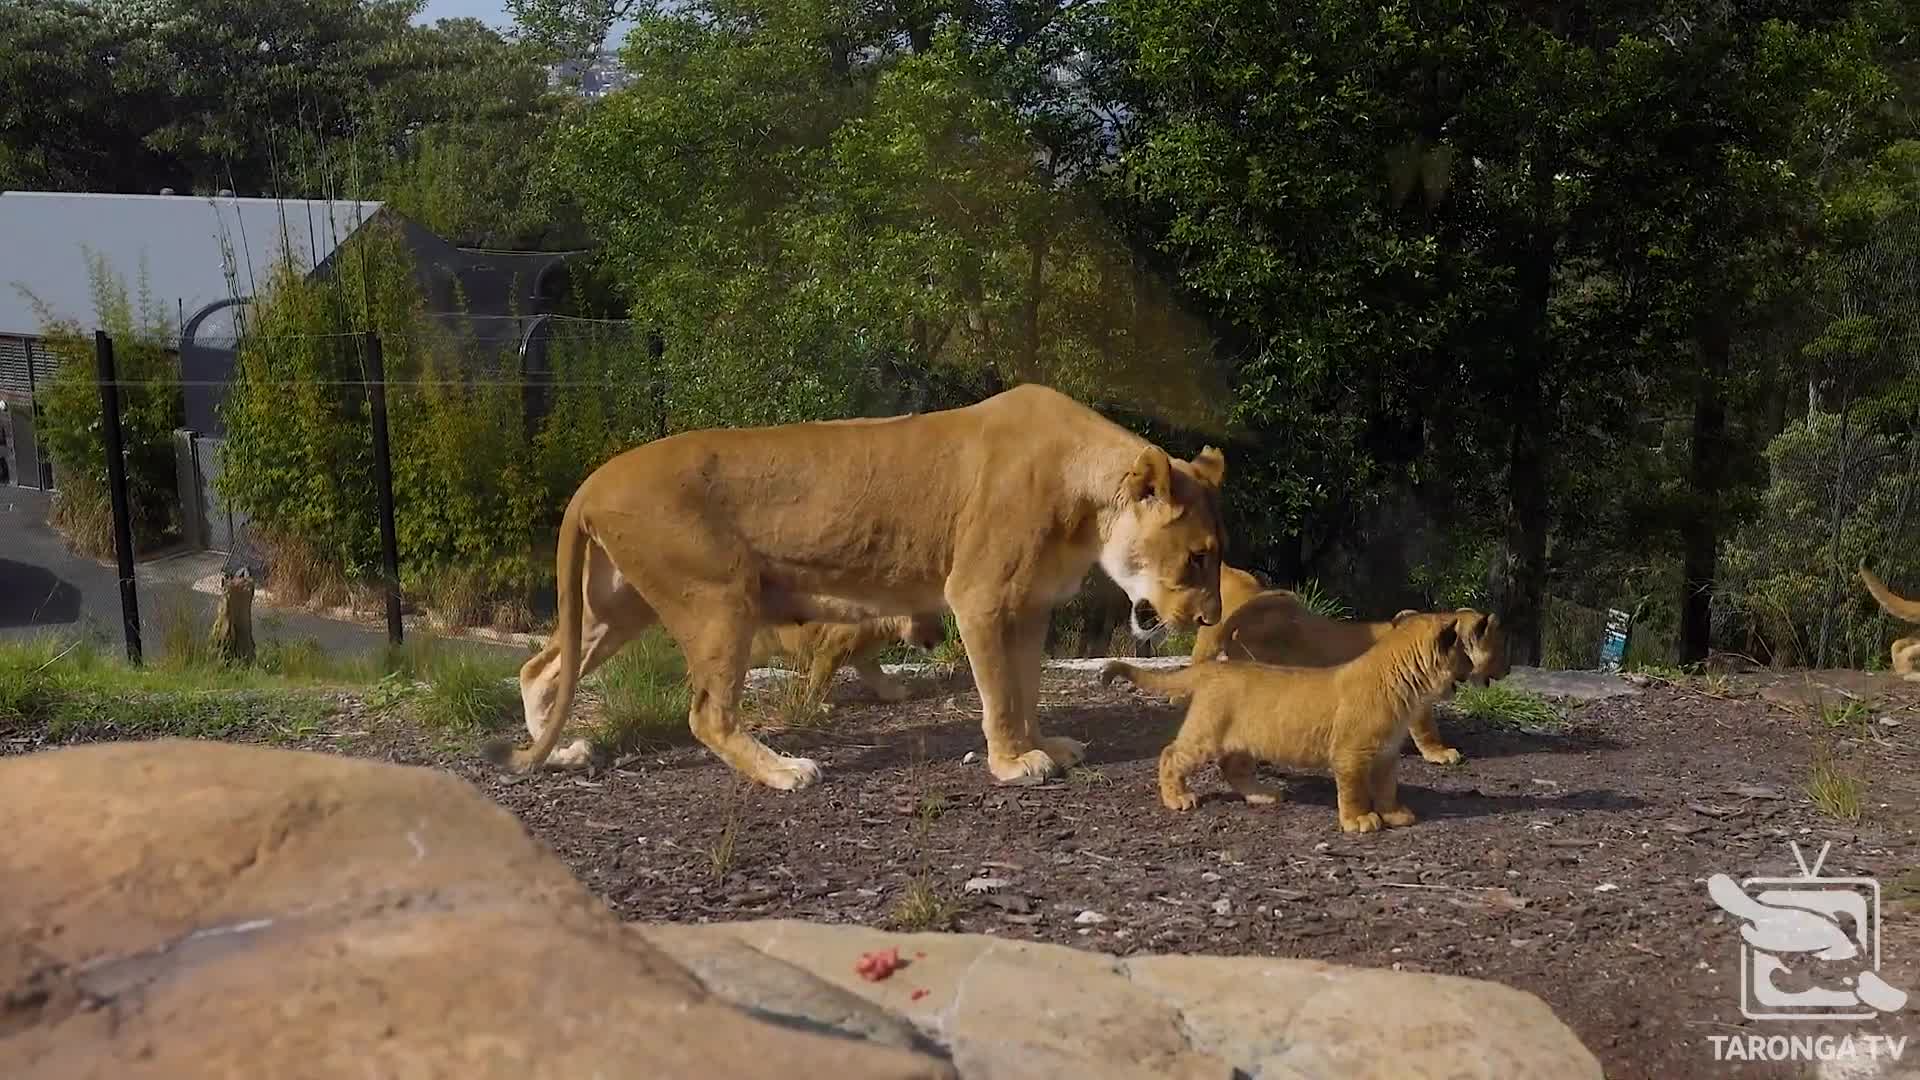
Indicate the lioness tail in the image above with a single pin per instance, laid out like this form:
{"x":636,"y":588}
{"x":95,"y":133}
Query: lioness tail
{"x":1890,"y":602}
{"x":1171,"y":684}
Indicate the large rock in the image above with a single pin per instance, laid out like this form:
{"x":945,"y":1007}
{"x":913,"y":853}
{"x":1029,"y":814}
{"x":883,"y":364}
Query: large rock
{"x":197,"y":909}
{"x":1010,"y":1010}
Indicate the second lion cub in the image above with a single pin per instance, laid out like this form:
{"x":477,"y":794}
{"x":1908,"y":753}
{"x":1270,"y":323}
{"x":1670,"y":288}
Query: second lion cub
{"x":1351,"y":718}
{"x":826,"y":646}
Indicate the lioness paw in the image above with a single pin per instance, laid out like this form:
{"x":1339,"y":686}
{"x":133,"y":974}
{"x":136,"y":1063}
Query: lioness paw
{"x":1028,"y":767}
{"x":1367,"y":822}
{"x":1448,"y":756}
{"x":1066,"y":753}
{"x":1397,"y":819}
{"x":792,"y":773}
{"x":1185,"y":800}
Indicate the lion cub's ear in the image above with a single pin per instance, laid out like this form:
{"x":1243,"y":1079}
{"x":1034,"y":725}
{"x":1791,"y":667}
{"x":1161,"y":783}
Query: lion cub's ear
{"x":1151,"y":476}
{"x":1210,"y":467}
{"x":1449,"y":635}
{"x":1402,"y":616}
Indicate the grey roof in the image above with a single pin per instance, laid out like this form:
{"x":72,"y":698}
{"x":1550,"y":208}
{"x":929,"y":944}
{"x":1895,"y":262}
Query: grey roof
{"x":194,"y":249}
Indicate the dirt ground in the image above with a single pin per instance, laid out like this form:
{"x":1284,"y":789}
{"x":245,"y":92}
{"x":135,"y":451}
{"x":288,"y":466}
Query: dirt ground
{"x":1569,"y":862}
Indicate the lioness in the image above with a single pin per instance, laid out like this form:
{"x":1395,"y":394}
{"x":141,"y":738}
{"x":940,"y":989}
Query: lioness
{"x":1906,"y":651}
{"x":994,"y":511}
{"x":825,"y":647}
{"x":1350,"y":718}
{"x":1277,"y":628}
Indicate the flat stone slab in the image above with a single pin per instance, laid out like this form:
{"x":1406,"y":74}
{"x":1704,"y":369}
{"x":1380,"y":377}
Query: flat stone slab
{"x":1579,"y":686}
{"x":1015,"y":1010}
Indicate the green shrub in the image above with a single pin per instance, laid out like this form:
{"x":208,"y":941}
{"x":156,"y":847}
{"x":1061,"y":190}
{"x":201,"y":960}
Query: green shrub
{"x":150,"y":410}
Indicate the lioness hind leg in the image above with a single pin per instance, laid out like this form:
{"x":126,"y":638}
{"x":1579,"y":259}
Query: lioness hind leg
{"x":612,"y":615}
{"x":716,"y":641}
{"x":994,"y":645}
{"x":1352,"y":780}
{"x":1238,"y":771}
{"x":1384,"y":783}
{"x":1426,"y":736}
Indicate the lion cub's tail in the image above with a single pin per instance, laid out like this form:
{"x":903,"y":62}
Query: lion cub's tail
{"x":1890,"y":602}
{"x":1171,"y":684}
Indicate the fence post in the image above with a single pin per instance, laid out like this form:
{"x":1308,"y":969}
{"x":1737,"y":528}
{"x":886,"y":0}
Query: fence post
{"x":383,"y":479}
{"x":117,"y":489}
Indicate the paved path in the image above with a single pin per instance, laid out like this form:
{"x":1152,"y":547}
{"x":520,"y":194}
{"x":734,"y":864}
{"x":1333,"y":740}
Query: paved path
{"x":45,"y":589}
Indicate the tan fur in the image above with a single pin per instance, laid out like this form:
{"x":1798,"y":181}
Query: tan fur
{"x":1350,"y":718}
{"x":1906,"y":651}
{"x":826,"y":647}
{"x":994,"y":511}
{"x":231,"y":636}
{"x":1275,"y":627}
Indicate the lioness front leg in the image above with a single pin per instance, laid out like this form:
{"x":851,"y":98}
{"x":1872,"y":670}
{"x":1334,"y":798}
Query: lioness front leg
{"x":1385,"y":786}
{"x":716,"y":642}
{"x":1238,"y":770}
{"x":1353,"y":784}
{"x":993,"y":644}
{"x":1426,"y":736}
{"x":1030,"y":660}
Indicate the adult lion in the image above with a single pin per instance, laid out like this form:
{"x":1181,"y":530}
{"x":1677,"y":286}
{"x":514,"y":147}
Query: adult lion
{"x":1904,"y":653}
{"x":994,"y":511}
{"x":1274,"y":626}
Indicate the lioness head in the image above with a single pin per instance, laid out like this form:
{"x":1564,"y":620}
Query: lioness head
{"x":924,"y":631}
{"x":1163,"y":544}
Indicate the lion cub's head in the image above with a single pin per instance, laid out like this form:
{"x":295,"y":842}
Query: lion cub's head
{"x":1164,"y":543}
{"x":1482,"y":644}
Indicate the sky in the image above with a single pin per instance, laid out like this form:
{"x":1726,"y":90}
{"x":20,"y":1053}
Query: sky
{"x":491,"y":12}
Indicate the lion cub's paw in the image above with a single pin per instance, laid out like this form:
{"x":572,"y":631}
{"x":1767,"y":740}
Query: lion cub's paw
{"x":1066,"y":753}
{"x":1367,"y":822}
{"x":1397,"y":819}
{"x":1448,"y":756}
{"x":792,"y":773}
{"x":1030,"y":766}
{"x":1186,"y":800}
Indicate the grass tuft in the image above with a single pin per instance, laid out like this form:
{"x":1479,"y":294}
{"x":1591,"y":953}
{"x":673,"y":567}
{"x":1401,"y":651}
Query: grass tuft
{"x":1505,"y":706}
{"x":922,"y":907}
{"x":1837,"y":791}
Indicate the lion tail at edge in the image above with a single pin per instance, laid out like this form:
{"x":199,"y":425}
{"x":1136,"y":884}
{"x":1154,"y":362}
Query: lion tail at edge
{"x":1890,"y":602}
{"x":1171,"y":684}
{"x":569,"y":581}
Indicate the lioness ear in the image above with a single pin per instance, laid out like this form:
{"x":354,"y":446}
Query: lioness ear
{"x":1151,"y":475}
{"x":1402,"y":616}
{"x":1210,"y":467}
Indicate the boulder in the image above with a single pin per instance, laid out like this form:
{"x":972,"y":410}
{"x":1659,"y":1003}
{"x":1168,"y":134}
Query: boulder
{"x":200,"y":909}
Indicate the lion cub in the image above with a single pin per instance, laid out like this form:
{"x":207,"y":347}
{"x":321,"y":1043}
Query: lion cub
{"x":826,"y":646}
{"x":1275,"y":626}
{"x":1350,"y":718}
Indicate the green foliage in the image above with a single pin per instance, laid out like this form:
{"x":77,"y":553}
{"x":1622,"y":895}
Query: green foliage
{"x":1321,"y":602}
{"x":644,"y":699}
{"x":467,"y":691}
{"x":150,"y":410}
{"x":475,"y":495}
